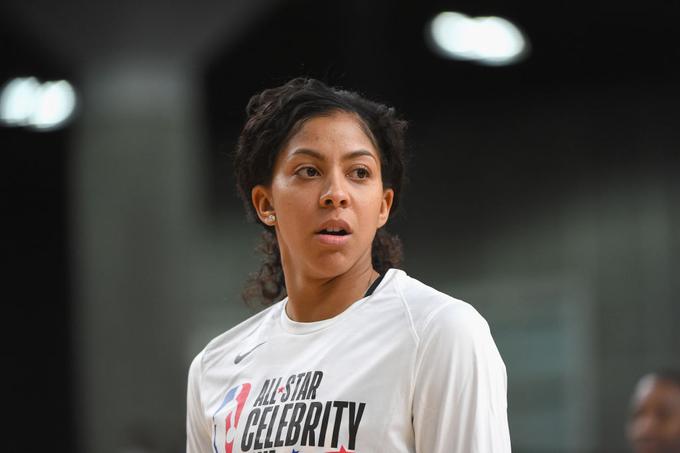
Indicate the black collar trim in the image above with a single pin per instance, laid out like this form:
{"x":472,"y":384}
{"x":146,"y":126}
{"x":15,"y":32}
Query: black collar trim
{"x":374,"y":285}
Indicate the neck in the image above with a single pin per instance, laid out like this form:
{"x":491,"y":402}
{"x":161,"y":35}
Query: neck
{"x":314,"y":299}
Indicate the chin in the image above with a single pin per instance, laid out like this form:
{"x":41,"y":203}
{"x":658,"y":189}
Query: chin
{"x":330,"y":265}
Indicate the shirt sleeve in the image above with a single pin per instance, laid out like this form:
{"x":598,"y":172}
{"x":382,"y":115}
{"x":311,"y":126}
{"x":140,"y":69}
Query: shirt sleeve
{"x":460,"y":386}
{"x":198,"y":428}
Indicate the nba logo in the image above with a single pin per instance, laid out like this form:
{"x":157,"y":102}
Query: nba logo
{"x":226,"y":417}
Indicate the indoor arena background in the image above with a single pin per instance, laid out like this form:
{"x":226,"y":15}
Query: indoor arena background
{"x":545,"y":192}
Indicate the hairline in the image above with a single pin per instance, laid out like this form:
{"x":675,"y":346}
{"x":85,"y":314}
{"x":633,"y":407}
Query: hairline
{"x":326,"y":113}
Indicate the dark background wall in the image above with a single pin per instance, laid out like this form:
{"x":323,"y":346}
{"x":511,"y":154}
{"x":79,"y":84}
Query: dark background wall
{"x":545,"y":193}
{"x":38,"y":359}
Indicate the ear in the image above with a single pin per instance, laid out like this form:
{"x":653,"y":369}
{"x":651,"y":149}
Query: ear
{"x":385,"y":206}
{"x":261,"y":198}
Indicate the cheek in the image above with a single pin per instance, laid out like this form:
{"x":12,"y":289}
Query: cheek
{"x":292,"y":213}
{"x":673,"y":426}
{"x":368,"y":213}
{"x":288,"y":197}
{"x":293,"y":208}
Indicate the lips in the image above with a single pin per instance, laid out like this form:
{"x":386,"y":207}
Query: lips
{"x":335,"y":227}
{"x":333,"y":232}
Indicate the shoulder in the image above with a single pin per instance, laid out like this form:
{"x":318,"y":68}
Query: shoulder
{"x":453,"y":338}
{"x":222,"y":344}
{"x":433,"y":312}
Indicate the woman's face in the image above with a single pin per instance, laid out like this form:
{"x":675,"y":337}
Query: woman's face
{"x":327,"y":196}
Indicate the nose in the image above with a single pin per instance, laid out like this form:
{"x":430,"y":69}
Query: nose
{"x":335,"y":193}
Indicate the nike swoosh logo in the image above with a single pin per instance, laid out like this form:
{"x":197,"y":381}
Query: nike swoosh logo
{"x":240,"y":357}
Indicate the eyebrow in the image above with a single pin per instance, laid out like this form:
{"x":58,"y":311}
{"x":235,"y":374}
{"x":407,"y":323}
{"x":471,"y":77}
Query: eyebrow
{"x":318,"y":155}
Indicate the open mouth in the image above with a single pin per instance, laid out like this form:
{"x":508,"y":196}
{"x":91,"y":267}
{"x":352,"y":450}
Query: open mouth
{"x":334,"y":232}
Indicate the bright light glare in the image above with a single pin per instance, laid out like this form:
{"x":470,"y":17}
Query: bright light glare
{"x":55,"y":104}
{"x":17,"y":101}
{"x":487,"y":40}
{"x":46,"y":106}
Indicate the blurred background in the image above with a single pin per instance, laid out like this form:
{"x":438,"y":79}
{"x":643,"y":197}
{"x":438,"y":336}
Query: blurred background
{"x":544,"y":189}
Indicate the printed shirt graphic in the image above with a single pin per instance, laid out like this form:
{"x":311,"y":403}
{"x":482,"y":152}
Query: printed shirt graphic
{"x":227,"y":417}
{"x":407,"y":369}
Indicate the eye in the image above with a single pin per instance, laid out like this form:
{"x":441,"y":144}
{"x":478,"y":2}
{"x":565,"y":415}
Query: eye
{"x":307,"y":172}
{"x":360,"y":173}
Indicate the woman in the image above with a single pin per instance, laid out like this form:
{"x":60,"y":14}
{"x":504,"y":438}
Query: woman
{"x":357,"y":356}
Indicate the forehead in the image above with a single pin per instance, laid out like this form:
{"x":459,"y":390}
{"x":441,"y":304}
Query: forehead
{"x":336,"y":131}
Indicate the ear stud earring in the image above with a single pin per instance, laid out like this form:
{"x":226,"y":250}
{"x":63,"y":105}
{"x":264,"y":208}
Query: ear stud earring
{"x":271,"y":218}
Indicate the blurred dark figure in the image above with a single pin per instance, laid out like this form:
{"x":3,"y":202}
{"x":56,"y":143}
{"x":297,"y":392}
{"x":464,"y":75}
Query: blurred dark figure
{"x":654,"y":425}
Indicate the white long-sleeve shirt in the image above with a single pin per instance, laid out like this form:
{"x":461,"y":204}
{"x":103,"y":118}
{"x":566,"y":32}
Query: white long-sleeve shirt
{"x":406,"y":369}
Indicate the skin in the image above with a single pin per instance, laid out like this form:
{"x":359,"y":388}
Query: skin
{"x":330,"y":169}
{"x":654,"y":426}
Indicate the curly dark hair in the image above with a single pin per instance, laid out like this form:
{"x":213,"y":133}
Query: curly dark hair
{"x":273,"y":117}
